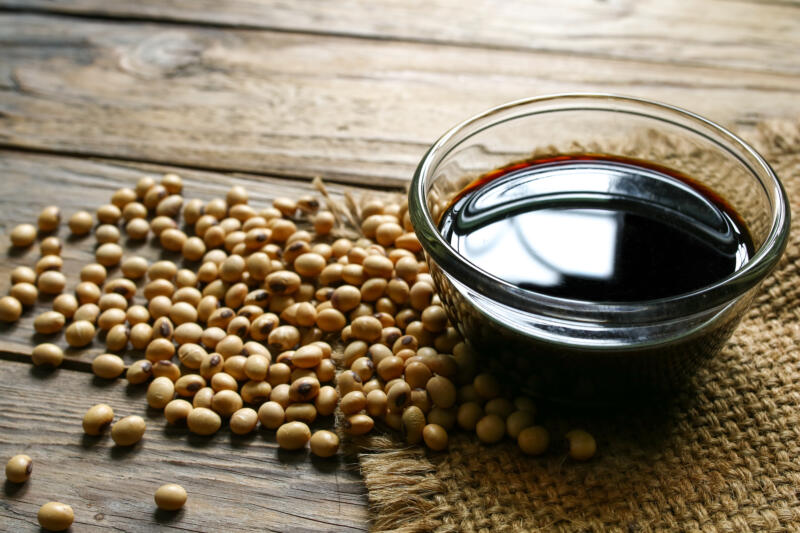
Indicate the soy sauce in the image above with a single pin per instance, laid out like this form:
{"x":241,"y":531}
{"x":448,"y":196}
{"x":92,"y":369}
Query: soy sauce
{"x":598,"y":228}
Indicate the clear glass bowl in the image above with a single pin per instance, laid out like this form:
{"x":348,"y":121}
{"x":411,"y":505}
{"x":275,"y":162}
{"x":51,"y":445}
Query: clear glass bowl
{"x":575,"y":349}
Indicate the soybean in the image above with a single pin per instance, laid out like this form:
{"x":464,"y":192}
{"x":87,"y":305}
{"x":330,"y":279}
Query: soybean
{"x":97,"y":418}
{"x":293,"y":435}
{"x":490,"y":429}
{"x":55,"y":516}
{"x":19,"y":468}
{"x":160,"y":392}
{"x":49,"y":322}
{"x":435,"y":437}
{"x":128,"y":431}
{"x":177,"y":410}
{"x":170,"y":497}
{"x":80,"y":333}
{"x":108,"y":366}
{"x":10,"y":309}
{"x":243,"y":421}
{"x":324,"y":443}
{"x":23,"y":235}
{"x":582,"y":445}
{"x":203,"y":421}
{"x":533,"y":440}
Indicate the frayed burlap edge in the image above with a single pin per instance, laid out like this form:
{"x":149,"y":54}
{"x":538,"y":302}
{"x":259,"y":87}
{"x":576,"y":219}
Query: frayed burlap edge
{"x":404,"y":492}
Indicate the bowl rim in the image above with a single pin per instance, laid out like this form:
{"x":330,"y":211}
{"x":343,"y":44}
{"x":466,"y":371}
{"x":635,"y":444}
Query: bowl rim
{"x":711,"y":296}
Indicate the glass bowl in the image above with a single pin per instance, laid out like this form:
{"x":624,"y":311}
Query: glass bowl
{"x":572,"y":349}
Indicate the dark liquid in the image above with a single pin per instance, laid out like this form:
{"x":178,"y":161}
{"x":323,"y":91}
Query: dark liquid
{"x":597,"y":228}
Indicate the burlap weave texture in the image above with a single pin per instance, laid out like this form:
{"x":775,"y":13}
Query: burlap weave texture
{"x":724,"y":456}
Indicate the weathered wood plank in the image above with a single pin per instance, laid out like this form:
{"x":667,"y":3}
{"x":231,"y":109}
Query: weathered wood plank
{"x":742,"y":34}
{"x":234,"y":483}
{"x":28,"y":182}
{"x":353,"y":110}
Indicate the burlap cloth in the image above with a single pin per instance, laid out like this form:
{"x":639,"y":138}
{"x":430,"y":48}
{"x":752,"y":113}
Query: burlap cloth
{"x":724,"y":456}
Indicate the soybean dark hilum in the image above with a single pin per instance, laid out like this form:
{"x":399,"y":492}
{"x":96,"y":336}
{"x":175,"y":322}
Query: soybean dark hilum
{"x":597,"y":228}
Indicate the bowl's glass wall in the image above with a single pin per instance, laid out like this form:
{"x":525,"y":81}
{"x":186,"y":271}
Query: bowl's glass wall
{"x":604,"y":346}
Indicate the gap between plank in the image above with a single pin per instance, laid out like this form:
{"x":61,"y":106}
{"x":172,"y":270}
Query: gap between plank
{"x":111,"y":159}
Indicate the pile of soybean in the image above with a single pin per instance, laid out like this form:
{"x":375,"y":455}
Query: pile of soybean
{"x":275,"y":319}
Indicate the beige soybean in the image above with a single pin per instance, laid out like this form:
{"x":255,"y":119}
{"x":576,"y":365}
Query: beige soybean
{"x":128,"y":431}
{"x":307,"y":356}
{"x":22,"y":274}
{"x":108,"y":214}
{"x":177,"y":411}
{"x":366,"y":328}
{"x":360,"y":424}
{"x":435,"y":437}
{"x":159,"y":349}
{"x":88,"y":312}
{"x":324,"y":443}
{"x":80,"y":333}
{"x":50,"y":246}
{"x":49,"y":322}
{"x":203,"y":398}
{"x":141,"y":335}
{"x":271,"y":415}
{"x":376,"y":403}
{"x":303,"y":412}
{"x":501,"y":407}
{"x":172,"y":183}
{"x":243,"y":421}
{"x":490,"y":429}
{"x":582,"y":445}
{"x":166,"y":369}
{"x":110,"y":318}
{"x":226,"y":402}
{"x":23,"y":235}
{"x":87,"y":292}
{"x":123,"y":197}
{"x":48,"y":262}
{"x":293,"y":435}
{"x":80,"y":223}
{"x":189,"y":384}
{"x":203,"y":421}
{"x":139,"y":372}
{"x":97,"y":419}
{"x":191,"y":355}
{"x":51,"y":282}
{"x":326,"y":400}
{"x":353,"y":402}
{"x":117,"y":338}
{"x":108,"y":254}
{"x":55,"y":516}
{"x":106,"y":233}
{"x":533,"y":440}
{"x":19,"y":468}
{"x":398,"y":397}
{"x":108,"y":366}
{"x":223,"y":381}
{"x":49,"y":218}
{"x":170,"y":497}
{"x":469,"y":413}
{"x":160,"y":392}
{"x":255,"y":392}
{"x":10,"y":309}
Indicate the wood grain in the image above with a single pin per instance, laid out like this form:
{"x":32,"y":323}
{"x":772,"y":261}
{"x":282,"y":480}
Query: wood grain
{"x":762,"y":36}
{"x":32,"y":181}
{"x":234,"y":483}
{"x":352,"y":110}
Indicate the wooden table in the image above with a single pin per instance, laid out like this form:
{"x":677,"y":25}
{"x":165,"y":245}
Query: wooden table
{"x":270,"y":94}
